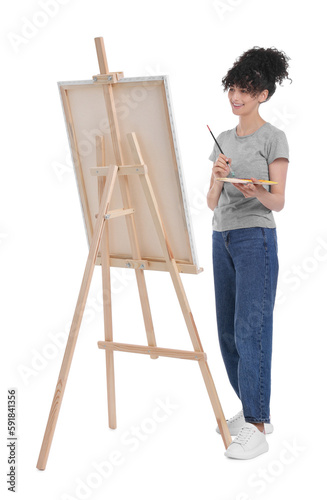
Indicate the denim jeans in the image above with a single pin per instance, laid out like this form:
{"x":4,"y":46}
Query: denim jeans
{"x":245,"y":265}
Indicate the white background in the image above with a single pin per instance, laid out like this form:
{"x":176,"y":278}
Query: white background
{"x":43,"y":251}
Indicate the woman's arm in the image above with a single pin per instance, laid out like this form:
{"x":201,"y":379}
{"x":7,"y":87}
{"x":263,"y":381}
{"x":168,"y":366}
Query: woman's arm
{"x":275,"y":199}
{"x":214,"y":192}
{"x":220,"y":169}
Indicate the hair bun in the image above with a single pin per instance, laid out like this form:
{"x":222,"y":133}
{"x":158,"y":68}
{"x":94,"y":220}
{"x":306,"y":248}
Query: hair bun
{"x":271,"y":62}
{"x":258,"y":69}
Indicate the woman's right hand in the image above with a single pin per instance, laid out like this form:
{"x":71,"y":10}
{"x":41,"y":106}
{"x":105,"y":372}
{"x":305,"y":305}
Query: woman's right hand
{"x":220,"y":167}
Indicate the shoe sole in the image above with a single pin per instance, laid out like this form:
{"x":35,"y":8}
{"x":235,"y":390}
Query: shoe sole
{"x":268,"y":428}
{"x":263,"y":448}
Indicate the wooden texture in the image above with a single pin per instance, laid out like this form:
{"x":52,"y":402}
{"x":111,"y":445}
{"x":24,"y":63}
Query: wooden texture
{"x":119,"y":213}
{"x":76,"y":323}
{"x":159,"y":351}
{"x":101,"y":55}
{"x":179,"y":289}
{"x":106,"y":293}
{"x":236,"y":180}
{"x":154,"y":265}
{"x":122,"y":170}
{"x":124,"y":192}
{"x":107,"y":197}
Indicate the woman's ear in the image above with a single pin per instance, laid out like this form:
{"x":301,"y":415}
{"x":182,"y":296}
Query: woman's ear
{"x":263,"y":96}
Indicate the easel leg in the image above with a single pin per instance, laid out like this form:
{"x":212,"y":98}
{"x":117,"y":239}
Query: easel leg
{"x":139,"y":273}
{"x":125,"y":193}
{"x":140,"y":278}
{"x":106,"y":290}
{"x":124,"y":188}
{"x":204,"y":367}
{"x":107,"y":311}
{"x":76,"y":323}
{"x":177,"y":282}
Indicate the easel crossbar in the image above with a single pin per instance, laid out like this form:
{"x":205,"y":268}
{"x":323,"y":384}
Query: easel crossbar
{"x":151,"y":264}
{"x":119,"y":212}
{"x":135,"y":169}
{"x":158,"y":351}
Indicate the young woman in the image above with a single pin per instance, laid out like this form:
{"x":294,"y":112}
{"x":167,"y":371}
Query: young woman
{"x":245,"y":260}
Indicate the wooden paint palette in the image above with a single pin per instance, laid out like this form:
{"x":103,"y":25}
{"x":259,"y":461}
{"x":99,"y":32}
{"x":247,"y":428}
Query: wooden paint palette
{"x":235,"y":180}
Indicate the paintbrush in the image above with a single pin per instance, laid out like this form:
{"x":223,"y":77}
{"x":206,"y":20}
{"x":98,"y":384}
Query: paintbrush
{"x":231,"y":171}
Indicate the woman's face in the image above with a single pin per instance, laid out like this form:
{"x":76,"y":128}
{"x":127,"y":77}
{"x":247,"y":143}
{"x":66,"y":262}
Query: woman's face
{"x":242,"y":102}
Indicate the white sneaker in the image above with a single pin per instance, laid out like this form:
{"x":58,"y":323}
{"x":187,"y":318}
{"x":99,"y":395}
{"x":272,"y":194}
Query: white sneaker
{"x":236,"y":423}
{"x":249,"y":443}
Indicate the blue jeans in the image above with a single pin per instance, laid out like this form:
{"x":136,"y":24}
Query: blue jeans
{"x":245,"y":265}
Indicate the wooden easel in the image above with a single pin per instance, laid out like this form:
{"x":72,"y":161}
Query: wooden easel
{"x":107,"y":177}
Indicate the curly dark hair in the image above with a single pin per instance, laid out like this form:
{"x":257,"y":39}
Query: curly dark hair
{"x":258,"y":69}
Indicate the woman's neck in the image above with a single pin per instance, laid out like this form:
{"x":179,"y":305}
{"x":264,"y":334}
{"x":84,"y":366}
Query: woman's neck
{"x":249,"y":124}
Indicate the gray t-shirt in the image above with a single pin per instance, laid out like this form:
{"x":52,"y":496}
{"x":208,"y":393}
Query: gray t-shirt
{"x":251,"y":156}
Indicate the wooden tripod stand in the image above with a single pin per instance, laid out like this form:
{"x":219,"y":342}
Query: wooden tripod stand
{"x":107,"y":177}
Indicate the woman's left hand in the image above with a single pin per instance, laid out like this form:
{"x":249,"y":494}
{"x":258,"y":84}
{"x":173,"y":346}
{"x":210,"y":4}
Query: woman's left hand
{"x":250,"y":190}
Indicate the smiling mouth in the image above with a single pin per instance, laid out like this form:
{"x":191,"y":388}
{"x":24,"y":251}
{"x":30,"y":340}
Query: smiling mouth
{"x":236,"y":105}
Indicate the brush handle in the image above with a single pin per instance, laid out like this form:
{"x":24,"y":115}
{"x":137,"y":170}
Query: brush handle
{"x":231,"y":171}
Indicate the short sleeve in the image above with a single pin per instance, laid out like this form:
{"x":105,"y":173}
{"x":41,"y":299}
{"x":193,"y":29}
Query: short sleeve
{"x":278,"y":147}
{"x":214,"y":155}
